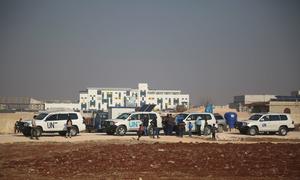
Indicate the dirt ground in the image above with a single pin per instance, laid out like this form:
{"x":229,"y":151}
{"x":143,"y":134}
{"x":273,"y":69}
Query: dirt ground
{"x":127,"y":158}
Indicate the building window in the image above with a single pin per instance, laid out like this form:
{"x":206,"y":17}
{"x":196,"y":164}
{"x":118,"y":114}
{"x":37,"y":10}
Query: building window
{"x":143,"y":93}
{"x":98,"y":92}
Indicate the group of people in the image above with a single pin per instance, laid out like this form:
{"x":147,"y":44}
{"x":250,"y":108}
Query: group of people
{"x":170,"y":124}
{"x":143,"y":128}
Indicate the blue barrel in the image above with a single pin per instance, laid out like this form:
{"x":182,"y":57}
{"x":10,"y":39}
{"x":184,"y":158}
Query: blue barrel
{"x":231,"y":118}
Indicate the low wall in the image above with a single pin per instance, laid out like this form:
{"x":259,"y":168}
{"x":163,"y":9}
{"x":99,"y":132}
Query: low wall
{"x":7,"y":120}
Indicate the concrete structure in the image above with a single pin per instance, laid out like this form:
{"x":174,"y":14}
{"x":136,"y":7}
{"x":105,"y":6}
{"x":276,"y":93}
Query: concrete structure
{"x":21,"y":104}
{"x":62,"y":104}
{"x":103,"y":98}
{"x":252,"y":103}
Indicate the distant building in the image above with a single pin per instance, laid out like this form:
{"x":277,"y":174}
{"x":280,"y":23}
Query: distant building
{"x":103,"y":98}
{"x":267,"y":103}
{"x":62,"y":104}
{"x":252,"y":103}
{"x":21,"y":104}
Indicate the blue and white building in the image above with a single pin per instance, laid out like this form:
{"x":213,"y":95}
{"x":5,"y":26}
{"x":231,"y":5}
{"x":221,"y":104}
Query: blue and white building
{"x":103,"y":98}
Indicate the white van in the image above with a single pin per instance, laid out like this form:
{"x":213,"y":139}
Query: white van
{"x":53,"y":122}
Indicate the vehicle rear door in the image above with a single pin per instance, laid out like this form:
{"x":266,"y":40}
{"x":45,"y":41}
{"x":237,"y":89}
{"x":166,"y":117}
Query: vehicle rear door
{"x":191,"y":118}
{"x":264,"y":123}
{"x":62,"y":121}
{"x":51,"y":123}
{"x":275,"y":122}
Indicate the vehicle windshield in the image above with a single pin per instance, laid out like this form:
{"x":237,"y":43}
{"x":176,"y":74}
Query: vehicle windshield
{"x":218,"y":117}
{"x":255,"y":117}
{"x":41,"y":116}
{"x":183,"y":116}
{"x":123,"y":116}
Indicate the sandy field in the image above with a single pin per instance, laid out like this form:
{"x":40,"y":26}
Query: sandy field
{"x":100,"y":156}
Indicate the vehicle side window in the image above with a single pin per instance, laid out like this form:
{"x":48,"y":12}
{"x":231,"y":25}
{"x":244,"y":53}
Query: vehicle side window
{"x":274,"y":118}
{"x":152,"y":116}
{"x":63,"y":117}
{"x":73,"y":116}
{"x":266,"y":118}
{"x":52,"y":117}
{"x":283,"y":117}
{"x":195,"y":116}
{"x":144,"y":116}
{"x":135,"y":117}
{"x":207,"y":116}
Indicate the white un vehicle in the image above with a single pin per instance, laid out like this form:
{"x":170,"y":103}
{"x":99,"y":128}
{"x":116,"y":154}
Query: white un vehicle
{"x":271,"y":123}
{"x":54,"y":122}
{"x":192,"y":117}
{"x":130,"y":122}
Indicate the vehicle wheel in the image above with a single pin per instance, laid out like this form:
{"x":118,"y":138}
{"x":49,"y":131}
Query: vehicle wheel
{"x":220,"y":128}
{"x":121,"y":130}
{"x":74,"y":131}
{"x":39,"y":131}
{"x":207,"y":130}
{"x":150,"y":131}
{"x":26,"y":132}
{"x":253,"y":131}
{"x":283,"y":131}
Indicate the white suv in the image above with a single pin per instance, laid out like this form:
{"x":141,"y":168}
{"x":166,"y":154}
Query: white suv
{"x":192,"y":117}
{"x":129,"y":122}
{"x":271,"y":122}
{"x":51,"y":122}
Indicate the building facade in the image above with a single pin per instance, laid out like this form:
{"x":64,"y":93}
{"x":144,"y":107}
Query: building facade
{"x":103,"y":98}
{"x":21,"y":104}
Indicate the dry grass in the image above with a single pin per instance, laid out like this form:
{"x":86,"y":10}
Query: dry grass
{"x":7,"y":120}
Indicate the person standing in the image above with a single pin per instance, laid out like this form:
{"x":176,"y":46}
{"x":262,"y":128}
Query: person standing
{"x":145,"y":124}
{"x":190,"y":129}
{"x":140,"y":131}
{"x":155,"y":128}
{"x":181,"y":126}
{"x":198,"y":125}
{"x":69,"y":125}
{"x":205,"y":125}
{"x":34,"y":129}
{"x":17,"y":126}
{"x":213,"y":132}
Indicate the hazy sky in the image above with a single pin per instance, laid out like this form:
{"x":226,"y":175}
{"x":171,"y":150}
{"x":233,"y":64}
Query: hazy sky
{"x":210,"y":49}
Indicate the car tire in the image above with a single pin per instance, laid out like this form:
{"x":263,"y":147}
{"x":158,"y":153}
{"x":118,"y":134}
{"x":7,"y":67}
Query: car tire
{"x":282,"y":131}
{"x":26,"y":132}
{"x":39,"y":131}
{"x":74,"y":131}
{"x":220,"y":128}
{"x":207,"y":130}
{"x":121,"y":130}
{"x":252,"y":131}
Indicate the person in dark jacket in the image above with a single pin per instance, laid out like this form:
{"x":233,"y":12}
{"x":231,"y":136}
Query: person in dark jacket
{"x":155,"y":128}
{"x":213,"y":132}
{"x":69,"y":125}
{"x":145,"y":124}
{"x":140,"y":131}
